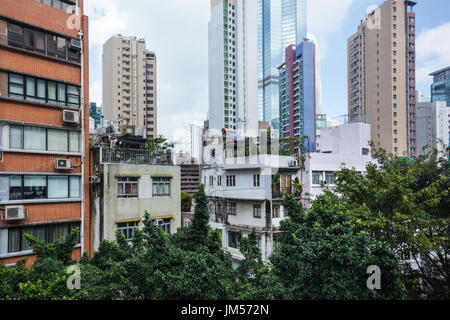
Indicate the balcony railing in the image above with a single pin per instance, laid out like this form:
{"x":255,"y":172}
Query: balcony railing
{"x":135,"y":156}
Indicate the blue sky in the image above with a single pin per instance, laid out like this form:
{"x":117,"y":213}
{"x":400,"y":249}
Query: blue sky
{"x":178,"y":31}
{"x":430,"y":14}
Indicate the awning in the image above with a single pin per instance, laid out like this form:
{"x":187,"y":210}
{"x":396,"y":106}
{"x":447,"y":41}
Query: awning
{"x":128,"y":175}
{"x":128,"y":220}
{"x":162,"y":175}
{"x":163,"y":217}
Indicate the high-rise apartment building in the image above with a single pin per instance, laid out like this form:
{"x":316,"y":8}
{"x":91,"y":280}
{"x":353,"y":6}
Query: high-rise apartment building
{"x":280,"y":24}
{"x":232,"y":65}
{"x":44,"y":125}
{"x":440,"y":89}
{"x":298,"y":95}
{"x":96,"y":113}
{"x":381,"y":76}
{"x":129,"y":84}
{"x":247,"y":40}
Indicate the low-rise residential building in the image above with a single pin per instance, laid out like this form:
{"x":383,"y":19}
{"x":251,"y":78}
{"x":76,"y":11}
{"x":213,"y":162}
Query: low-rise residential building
{"x":343,"y":146}
{"x":128,"y":182}
{"x":246,"y":191}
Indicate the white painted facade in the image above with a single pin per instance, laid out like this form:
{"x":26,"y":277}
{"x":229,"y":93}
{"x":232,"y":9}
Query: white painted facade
{"x":238,"y":101}
{"x":433,"y":125}
{"x":344,"y":146}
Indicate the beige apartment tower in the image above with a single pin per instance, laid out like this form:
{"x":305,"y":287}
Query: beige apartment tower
{"x":381,"y":76}
{"x":129,"y":84}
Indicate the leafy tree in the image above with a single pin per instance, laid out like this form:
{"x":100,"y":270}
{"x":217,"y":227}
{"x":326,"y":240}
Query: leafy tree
{"x":320,"y":256}
{"x":186,"y":202}
{"x":159,"y":144}
{"x":256,"y":280}
{"x":405,"y":203}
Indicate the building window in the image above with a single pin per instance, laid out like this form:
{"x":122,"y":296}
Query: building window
{"x":276,"y":211}
{"x":43,"y":139}
{"x":231,"y":208}
{"x":161,"y":187}
{"x":187,"y":222}
{"x":44,"y":187}
{"x":127,"y":187}
{"x":211,"y":180}
{"x":232,"y":240}
{"x":365,"y":151}
{"x":317,"y":177}
{"x":256,"y":180}
{"x":164,"y":224}
{"x":257,"y":211}
{"x":329,"y":177}
{"x":41,"y":42}
{"x":48,"y":233}
{"x":231,"y":181}
{"x":43,"y":91}
{"x":219,"y":181}
{"x":128,"y":228}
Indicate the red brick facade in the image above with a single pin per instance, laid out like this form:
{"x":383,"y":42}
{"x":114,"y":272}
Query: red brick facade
{"x":33,"y":14}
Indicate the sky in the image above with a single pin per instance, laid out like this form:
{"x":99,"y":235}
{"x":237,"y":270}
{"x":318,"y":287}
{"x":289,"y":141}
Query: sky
{"x":177,"y":30}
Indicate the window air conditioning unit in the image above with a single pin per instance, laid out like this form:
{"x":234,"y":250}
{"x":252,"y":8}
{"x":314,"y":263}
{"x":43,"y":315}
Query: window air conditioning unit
{"x":293,"y":163}
{"x":63,"y":164}
{"x":14,"y":213}
{"x":70,"y":116}
{"x":75,"y":45}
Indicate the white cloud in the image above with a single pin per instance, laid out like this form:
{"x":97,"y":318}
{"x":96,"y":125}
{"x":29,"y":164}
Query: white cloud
{"x":326,"y":18}
{"x":177,"y":30}
{"x":176,"y":126}
{"x":95,"y":91}
{"x":433,"y":53}
{"x":105,"y":19}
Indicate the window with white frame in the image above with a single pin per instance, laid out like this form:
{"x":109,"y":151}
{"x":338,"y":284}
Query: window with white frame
{"x":127,"y":187}
{"x":323,"y":177}
{"x":317,"y":177}
{"x":187,"y":222}
{"x":128,"y":228}
{"x":164,"y":224}
{"x":161,"y":186}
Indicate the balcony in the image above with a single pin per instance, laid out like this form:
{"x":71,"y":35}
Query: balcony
{"x":135,"y":156}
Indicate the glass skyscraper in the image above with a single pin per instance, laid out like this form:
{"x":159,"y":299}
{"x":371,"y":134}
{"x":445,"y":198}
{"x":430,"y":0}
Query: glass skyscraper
{"x":440,"y":89}
{"x":280,"y":24}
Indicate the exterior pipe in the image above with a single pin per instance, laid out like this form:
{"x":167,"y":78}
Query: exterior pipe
{"x":83,"y":138}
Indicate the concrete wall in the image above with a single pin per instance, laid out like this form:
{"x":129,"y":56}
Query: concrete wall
{"x":116,"y":209}
{"x":433,"y":123}
{"x":349,"y":138}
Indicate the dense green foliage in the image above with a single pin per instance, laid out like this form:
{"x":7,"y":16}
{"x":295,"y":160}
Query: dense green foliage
{"x":405,"y":203}
{"x":320,"y":256}
{"x":323,"y":253}
{"x":186,"y":202}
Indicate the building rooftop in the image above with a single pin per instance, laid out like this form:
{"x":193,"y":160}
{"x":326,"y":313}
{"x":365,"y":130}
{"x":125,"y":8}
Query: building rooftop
{"x":440,"y":71}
